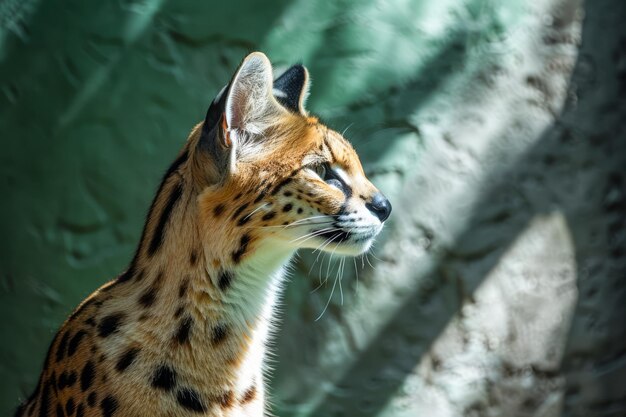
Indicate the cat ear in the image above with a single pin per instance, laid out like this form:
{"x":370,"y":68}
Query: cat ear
{"x":250,"y":105}
{"x":239,"y":114}
{"x":291,"y":89}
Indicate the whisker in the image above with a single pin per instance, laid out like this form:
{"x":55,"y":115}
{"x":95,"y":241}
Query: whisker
{"x":313,"y":234}
{"x":309,"y":223}
{"x":356,"y":272}
{"x":321,"y":248}
{"x":331,"y":255}
{"x":323,"y":244}
{"x":332,"y":291}
{"x":289,"y":225}
{"x":368,"y":261}
{"x":375,"y":257}
{"x":315,"y":217}
{"x":346,"y":129}
{"x":255,"y":210}
{"x":322,"y":282}
{"x":340,"y":273}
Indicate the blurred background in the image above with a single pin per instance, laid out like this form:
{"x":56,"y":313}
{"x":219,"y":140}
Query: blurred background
{"x":496,"y":128}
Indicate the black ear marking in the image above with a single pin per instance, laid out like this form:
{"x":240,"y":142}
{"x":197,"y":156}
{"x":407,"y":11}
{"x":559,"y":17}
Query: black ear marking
{"x":211,"y":125}
{"x":290,"y":88}
{"x":216,"y":109}
{"x":211,"y":141}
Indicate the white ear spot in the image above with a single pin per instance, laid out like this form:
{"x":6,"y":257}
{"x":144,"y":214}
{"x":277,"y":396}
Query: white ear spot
{"x":279,"y":93}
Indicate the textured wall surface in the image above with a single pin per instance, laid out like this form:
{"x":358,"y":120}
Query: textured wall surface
{"x":497,"y":129}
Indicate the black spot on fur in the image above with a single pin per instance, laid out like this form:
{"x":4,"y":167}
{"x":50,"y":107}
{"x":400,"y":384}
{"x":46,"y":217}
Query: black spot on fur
{"x":128,"y":274}
{"x":190,"y":399}
{"x":59,"y":411}
{"x":139,"y":277}
{"x":182,"y":290}
{"x":75,"y":342}
{"x":159,"y":230}
{"x":260,"y":197}
{"x":148,"y":297}
{"x":66,"y":380}
{"x":90,"y":322}
{"x":218,"y":210}
{"x":300,"y":210}
{"x":110,"y":324}
{"x":184,"y":329}
{"x":244,"y":219}
{"x":62,"y":347}
{"x":44,"y":400}
{"x":287,"y":208}
{"x":83,"y":306}
{"x":87,"y":376}
{"x":249,"y":395}
{"x":287,"y":193}
{"x":126,"y":359}
{"x":240,"y":210}
{"x":80,"y":411}
{"x":227,"y":399}
{"x":281,"y":185}
{"x":225,"y":280}
{"x":269,"y":215}
{"x":193,"y":258}
{"x":163,"y":378}
{"x":108,"y":405}
{"x":92,"y":398}
{"x":219,"y":333}
{"x":71,"y":378}
{"x":31,"y":408}
{"x":179,"y":312}
{"x":53,"y":381}
{"x":243,"y":247}
{"x":70,"y":407}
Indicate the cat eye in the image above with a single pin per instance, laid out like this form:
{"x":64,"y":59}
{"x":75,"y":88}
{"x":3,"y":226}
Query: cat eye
{"x":320,"y":170}
{"x":328,"y":175}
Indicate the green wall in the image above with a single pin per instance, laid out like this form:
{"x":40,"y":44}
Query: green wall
{"x":96,"y":97}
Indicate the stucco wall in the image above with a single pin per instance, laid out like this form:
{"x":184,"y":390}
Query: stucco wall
{"x":497,"y":129}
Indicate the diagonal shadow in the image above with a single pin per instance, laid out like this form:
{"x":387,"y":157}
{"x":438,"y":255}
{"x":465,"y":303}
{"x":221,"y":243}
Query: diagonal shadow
{"x":398,"y":102}
{"x":549,"y":176}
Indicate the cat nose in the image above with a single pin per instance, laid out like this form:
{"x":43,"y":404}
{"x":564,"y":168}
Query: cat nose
{"x":379,"y":206}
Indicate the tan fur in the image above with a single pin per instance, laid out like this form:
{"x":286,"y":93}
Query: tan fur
{"x":235,"y":226}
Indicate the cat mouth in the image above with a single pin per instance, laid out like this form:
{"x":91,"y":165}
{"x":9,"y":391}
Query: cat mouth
{"x":345,"y":241}
{"x":342,"y":235}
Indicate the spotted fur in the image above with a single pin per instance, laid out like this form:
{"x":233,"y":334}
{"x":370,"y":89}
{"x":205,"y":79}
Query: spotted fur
{"x":183,"y":331}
